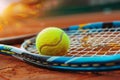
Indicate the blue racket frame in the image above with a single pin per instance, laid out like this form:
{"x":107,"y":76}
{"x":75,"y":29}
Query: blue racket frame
{"x":85,"y":63}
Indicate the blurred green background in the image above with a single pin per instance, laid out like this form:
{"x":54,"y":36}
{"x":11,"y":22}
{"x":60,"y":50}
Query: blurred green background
{"x":66,"y":7}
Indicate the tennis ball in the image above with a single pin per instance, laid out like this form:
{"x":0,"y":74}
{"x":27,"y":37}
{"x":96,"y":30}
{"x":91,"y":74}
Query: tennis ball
{"x":52,"y":41}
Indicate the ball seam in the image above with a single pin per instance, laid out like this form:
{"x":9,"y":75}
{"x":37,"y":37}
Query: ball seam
{"x":52,"y":44}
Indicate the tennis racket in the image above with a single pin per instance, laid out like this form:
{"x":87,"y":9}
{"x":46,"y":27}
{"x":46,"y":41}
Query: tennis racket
{"x":94,"y":47}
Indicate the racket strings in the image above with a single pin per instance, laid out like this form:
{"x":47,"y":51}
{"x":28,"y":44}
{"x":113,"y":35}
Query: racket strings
{"x":88,"y":42}
{"x":95,"y":42}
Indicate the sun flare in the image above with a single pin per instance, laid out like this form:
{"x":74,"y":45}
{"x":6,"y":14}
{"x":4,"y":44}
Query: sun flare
{"x":4,"y":4}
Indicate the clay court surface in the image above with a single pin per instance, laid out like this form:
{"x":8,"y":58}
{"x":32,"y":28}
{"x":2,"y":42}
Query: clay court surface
{"x":14,"y":69}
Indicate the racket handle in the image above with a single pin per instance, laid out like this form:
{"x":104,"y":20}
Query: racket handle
{"x":16,"y":40}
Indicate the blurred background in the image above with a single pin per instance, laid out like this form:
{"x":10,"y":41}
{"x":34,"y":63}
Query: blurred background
{"x":84,"y":6}
{"x":19,"y":17}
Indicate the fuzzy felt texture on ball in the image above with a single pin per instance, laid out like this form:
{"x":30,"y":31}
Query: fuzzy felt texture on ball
{"x":52,"y":41}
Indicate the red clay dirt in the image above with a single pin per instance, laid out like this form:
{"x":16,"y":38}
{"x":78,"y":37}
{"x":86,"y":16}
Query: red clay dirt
{"x":14,"y":69}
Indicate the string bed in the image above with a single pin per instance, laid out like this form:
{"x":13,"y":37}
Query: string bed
{"x":88,"y":42}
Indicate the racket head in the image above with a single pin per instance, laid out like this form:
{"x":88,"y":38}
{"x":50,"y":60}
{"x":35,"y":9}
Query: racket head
{"x":94,"y":47}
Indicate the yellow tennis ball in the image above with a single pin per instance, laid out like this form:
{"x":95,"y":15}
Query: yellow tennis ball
{"x":52,"y":41}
